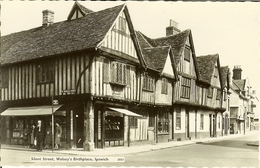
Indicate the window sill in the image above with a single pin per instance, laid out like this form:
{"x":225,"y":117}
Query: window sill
{"x":147,"y":90}
{"x":118,"y":84}
{"x":163,"y":133}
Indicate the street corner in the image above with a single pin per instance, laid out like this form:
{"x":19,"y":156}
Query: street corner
{"x":254,"y":143}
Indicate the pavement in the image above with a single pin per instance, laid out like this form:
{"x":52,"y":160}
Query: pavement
{"x":123,"y":150}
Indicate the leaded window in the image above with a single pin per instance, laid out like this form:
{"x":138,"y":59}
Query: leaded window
{"x":187,"y":54}
{"x":164,"y":86}
{"x":106,"y":68}
{"x":148,"y":82}
{"x":45,"y":72}
{"x":218,"y":94}
{"x":185,"y":87}
{"x":210,"y":92}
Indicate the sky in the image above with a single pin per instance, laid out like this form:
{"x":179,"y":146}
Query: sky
{"x":230,"y":29}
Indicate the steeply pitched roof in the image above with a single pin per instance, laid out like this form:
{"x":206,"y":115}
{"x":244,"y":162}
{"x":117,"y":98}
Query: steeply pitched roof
{"x":80,"y":7}
{"x":177,"y":42}
{"x":240,"y":84}
{"x":58,"y":38}
{"x":84,"y":9}
{"x":224,"y":74}
{"x":206,"y":65}
{"x":155,"y":57}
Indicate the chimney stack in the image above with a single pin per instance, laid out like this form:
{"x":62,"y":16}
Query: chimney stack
{"x":237,"y":72}
{"x":47,"y":17}
{"x":172,"y":29}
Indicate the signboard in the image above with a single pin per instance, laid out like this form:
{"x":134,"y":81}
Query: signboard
{"x":113,"y":113}
{"x":69,"y":91}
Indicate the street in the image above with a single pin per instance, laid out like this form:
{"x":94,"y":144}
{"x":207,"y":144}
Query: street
{"x":231,"y":152}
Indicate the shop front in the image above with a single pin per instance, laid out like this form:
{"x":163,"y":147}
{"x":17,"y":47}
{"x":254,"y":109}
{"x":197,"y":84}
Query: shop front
{"x":19,"y":123}
{"x":111,"y":126}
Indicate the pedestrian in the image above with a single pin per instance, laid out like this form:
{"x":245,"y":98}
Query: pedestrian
{"x":26,"y":136}
{"x":32,"y":138}
{"x":48,"y":138}
{"x":57,"y":136}
{"x":39,"y":135}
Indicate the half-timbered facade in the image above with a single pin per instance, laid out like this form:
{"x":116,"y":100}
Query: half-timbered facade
{"x":109,"y":85}
{"x":89,"y":65}
{"x":212,"y":96}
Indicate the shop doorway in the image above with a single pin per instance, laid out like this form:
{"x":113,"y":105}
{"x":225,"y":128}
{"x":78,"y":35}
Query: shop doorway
{"x":79,"y":127}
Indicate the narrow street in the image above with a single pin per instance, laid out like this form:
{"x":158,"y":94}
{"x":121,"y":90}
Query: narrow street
{"x":231,"y":152}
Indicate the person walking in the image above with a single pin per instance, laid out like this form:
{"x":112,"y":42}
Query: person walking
{"x":39,"y":135}
{"x":57,"y":136}
{"x":48,"y":138}
{"x":32,"y":138}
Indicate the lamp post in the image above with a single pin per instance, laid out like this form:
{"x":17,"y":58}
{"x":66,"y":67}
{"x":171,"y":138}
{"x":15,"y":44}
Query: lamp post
{"x":52,"y":124}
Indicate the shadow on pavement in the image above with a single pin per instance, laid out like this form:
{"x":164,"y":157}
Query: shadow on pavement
{"x":240,"y":144}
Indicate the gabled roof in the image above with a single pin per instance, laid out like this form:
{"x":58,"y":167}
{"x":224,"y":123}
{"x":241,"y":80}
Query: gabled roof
{"x":240,"y":84}
{"x":206,"y":65}
{"x":224,"y":75}
{"x":58,"y":38}
{"x":177,"y":42}
{"x":84,"y":11}
{"x":155,"y":57}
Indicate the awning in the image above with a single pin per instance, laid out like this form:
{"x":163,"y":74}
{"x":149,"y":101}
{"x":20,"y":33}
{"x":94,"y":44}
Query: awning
{"x":126,"y":112}
{"x":30,"y":111}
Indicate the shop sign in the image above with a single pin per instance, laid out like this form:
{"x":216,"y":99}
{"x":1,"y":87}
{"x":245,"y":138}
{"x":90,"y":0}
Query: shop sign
{"x":99,"y":125}
{"x":69,"y":91}
{"x":113,"y":113}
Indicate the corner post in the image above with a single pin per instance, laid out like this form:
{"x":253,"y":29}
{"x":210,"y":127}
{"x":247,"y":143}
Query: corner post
{"x":88,"y":144}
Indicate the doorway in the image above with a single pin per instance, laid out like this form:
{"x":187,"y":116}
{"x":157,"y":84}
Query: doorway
{"x":79,"y":127}
{"x":187,"y":131}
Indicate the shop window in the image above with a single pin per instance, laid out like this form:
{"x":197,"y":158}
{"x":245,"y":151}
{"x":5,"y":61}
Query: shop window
{"x":133,"y":122}
{"x":148,"y":82}
{"x":185,"y":88}
{"x":163,"y":122}
{"x":4,"y":77}
{"x":218,"y":94}
{"x":178,"y":118}
{"x":210,"y":92}
{"x":45,"y":72}
{"x":201,"y":121}
{"x":164,"y":86}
